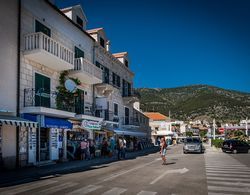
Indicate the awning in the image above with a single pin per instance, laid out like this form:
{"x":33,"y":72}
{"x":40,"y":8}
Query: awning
{"x":49,"y":122}
{"x":16,"y":121}
{"x":163,"y":133}
{"x":132,"y":133}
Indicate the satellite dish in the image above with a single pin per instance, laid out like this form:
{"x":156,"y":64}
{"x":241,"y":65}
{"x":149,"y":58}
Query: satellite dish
{"x":70,"y":85}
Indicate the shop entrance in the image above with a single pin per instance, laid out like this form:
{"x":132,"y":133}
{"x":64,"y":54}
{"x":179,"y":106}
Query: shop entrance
{"x":44,"y":144}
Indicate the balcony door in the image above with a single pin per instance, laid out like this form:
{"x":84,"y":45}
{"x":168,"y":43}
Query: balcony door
{"x":42,"y":28}
{"x":126,"y":116}
{"x":42,"y":90}
{"x":79,"y":53}
{"x":79,"y":102}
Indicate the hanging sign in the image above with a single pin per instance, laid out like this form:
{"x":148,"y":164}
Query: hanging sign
{"x":94,"y":125}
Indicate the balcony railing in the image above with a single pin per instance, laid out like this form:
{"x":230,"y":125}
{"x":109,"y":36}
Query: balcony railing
{"x":86,"y":66}
{"x":41,"y":42}
{"x":48,"y":99}
{"x":130,"y":121}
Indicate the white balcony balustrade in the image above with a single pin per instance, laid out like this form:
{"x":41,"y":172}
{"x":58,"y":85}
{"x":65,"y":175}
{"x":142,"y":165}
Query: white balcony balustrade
{"x":86,"y":71}
{"x":45,"y":50}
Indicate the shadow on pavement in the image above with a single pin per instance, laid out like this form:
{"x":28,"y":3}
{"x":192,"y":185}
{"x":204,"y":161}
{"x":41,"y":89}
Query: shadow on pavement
{"x":31,"y":174}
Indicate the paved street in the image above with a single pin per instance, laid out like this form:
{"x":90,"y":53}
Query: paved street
{"x":210,"y":173}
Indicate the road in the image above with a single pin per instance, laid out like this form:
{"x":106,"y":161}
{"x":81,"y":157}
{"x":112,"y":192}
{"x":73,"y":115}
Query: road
{"x":184,"y":174}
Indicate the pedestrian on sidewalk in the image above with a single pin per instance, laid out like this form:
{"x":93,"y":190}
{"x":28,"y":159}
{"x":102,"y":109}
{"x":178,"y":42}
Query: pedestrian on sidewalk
{"x":119,"y":146}
{"x":163,"y":151}
{"x":124,"y":148}
{"x":83,"y":149}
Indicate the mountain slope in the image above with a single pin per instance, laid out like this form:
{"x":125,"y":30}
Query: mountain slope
{"x":194,"y":101}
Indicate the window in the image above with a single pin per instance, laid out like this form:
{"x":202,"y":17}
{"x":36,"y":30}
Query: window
{"x":79,"y":53}
{"x":42,"y":90}
{"x":102,"y":42}
{"x":116,"y":80}
{"x":126,"y":62}
{"x":106,"y":75}
{"x":115,"y":109}
{"x":79,"y":21}
{"x":98,"y":64}
{"x":129,"y":89}
{"x":42,"y":28}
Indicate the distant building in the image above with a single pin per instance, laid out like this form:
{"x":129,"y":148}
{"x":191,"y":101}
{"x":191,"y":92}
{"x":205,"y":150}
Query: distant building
{"x":160,"y":126}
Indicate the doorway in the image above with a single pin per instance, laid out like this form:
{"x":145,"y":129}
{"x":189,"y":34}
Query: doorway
{"x":126,"y":116}
{"x":44,"y":144}
{"x":42,"y":90}
{"x":79,"y":102}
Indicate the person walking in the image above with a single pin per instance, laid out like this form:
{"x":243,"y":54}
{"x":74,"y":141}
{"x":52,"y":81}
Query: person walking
{"x":124,"y":147}
{"x":163,"y":151}
{"x":119,"y":146}
{"x":83,"y":149}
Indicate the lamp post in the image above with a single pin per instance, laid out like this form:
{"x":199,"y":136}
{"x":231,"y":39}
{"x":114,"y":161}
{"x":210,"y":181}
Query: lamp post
{"x":246,"y":127}
{"x":213,"y":129}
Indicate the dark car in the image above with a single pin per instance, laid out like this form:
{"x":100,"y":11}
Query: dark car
{"x":193,"y":145}
{"x":235,"y":146}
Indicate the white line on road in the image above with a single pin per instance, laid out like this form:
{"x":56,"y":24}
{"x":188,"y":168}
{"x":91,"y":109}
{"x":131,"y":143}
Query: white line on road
{"x":228,"y":179}
{"x":214,"y":193}
{"x":26,"y":187}
{"x":146,"y":193}
{"x":239,"y":184}
{"x":181,"y":171}
{"x":229,"y":171}
{"x":115,"y":191}
{"x":228,"y":189}
{"x":84,"y":190}
{"x":55,"y":189}
{"x":130,"y":170}
{"x":228,"y":175}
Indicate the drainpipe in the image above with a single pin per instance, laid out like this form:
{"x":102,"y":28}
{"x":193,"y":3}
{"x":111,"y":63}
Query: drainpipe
{"x":18,"y":80}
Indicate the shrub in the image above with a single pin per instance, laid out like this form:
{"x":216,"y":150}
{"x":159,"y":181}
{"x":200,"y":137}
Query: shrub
{"x":217,"y":143}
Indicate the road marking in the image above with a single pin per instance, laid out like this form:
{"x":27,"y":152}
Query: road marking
{"x":228,"y":189}
{"x":146,"y":193}
{"x":181,"y":171}
{"x":60,"y":187}
{"x":228,"y":179}
{"x":27,"y":187}
{"x":228,"y":175}
{"x":227,"y":171}
{"x":115,"y":191}
{"x":230,"y":183}
{"x":227,"y":166}
{"x":130,"y":170}
{"x":85,"y":190}
{"x":214,"y":193}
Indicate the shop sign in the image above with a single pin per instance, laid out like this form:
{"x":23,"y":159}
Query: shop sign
{"x":95,"y":125}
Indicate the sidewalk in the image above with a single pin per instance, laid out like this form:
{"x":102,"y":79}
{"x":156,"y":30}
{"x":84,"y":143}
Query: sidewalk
{"x":13,"y":177}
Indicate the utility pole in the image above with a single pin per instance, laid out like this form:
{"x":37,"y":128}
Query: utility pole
{"x":246,"y":127}
{"x":213,"y":129}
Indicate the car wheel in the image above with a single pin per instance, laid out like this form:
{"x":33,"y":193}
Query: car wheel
{"x":234,"y":151}
{"x":184,"y":152}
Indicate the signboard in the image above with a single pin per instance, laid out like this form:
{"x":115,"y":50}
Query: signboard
{"x":32,"y":145}
{"x":54,"y":138}
{"x":94,"y":125}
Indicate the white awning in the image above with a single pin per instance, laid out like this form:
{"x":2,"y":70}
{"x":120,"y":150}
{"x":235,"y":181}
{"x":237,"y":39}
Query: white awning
{"x":132,"y":133}
{"x":16,"y":121}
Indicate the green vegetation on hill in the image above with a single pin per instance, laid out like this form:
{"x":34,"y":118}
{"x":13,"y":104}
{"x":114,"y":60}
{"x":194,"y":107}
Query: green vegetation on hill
{"x":194,"y":101}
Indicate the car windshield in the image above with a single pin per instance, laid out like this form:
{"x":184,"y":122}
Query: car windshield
{"x":192,"y":140}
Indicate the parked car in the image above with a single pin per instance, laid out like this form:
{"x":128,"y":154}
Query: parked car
{"x":193,"y":145}
{"x":235,"y":146}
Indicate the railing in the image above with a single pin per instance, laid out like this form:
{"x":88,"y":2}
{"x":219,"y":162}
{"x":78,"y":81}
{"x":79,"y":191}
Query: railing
{"x":127,"y":93}
{"x":48,"y":99}
{"x":84,"y":65}
{"x":130,"y":121}
{"x":41,"y":41}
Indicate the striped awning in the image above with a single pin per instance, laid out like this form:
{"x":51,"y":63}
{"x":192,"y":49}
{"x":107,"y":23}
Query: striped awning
{"x":16,"y":121}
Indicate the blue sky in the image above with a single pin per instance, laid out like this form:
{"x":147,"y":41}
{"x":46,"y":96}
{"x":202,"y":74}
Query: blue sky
{"x":178,"y":42}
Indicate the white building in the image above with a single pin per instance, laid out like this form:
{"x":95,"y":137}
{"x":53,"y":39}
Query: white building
{"x":55,"y":46}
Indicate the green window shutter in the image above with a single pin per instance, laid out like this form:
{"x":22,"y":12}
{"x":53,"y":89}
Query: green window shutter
{"x":42,"y":90}
{"x":42,"y":28}
{"x":79,"y":53}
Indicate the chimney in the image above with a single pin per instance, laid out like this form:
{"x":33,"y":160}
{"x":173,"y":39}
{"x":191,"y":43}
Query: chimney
{"x":108,"y":45}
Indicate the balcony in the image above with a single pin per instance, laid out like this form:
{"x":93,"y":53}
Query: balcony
{"x":104,"y":89}
{"x":86,"y":71}
{"x":130,"y":123}
{"x":48,"y":103}
{"x":45,"y":50}
{"x":130,"y":98}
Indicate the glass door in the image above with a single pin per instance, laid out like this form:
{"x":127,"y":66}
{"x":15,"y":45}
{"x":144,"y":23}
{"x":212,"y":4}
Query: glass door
{"x":79,"y":102}
{"x":126,"y":116}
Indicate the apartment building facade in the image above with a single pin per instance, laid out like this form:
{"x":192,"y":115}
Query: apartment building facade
{"x":54,"y":48}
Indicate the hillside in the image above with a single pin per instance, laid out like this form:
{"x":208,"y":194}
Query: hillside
{"x":194,"y":101}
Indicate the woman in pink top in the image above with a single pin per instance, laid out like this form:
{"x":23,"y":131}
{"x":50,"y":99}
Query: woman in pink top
{"x":83,"y":148}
